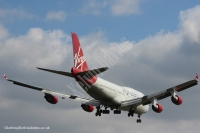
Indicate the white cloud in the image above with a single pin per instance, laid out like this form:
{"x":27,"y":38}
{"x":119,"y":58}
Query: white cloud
{"x":125,"y":7}
{"x":15,"y":13}
{"x":40,"y":48}
{"x":190,"y":23}
{"x":94,"y":7}
{"x":117,"y":7}
{"x":56,"y":15}
{"x":3,"y":32}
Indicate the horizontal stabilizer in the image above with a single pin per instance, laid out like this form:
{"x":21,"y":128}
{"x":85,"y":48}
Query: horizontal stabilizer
{"x":93,"y":72}
{"x":69,"y":74}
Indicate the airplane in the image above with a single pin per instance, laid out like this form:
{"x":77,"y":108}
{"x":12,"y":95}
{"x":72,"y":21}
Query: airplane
{"x":106,"y":95}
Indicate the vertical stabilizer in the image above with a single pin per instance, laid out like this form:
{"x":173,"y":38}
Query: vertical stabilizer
{"x":79,"y":59}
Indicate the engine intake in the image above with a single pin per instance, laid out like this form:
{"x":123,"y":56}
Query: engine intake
{"x":51,"y":98}
{"x":177,"y":100}
{"x":87,"y":108}
{"x":158,"y":108}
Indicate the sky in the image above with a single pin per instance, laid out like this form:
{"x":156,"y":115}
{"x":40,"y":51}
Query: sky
{"x":161,"y":41}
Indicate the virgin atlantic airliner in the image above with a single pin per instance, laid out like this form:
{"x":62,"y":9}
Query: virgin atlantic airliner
{"x":105,"y":95}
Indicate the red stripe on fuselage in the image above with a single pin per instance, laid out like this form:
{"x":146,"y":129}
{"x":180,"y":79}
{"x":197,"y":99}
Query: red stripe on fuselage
{"x":86,"y":79}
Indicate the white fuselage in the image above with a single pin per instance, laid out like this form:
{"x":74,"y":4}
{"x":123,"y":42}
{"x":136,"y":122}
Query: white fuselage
{"x":111,"y":94}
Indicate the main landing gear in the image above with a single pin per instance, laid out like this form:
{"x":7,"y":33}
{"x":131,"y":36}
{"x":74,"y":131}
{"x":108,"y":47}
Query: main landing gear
{"x":99,"y":111}
{"x":105,"y":111}
{"x":117,"y":111}
{"x":131,"y":112}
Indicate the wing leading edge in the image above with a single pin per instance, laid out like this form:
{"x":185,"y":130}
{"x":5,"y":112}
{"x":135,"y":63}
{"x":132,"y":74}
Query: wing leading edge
{"x":160,"y":95}
{"x":87,"y":101}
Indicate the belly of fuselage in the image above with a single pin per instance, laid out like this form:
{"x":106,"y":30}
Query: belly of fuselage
{"x":102,"y":95}
{"x":104,"y":91}
{"x":108,"y":94}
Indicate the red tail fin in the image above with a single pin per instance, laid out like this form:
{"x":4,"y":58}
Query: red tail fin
{"x":79,"y":60}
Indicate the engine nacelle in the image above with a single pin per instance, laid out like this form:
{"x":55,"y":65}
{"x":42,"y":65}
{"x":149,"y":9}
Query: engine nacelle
{"x":51,"y":98}
{"x":177,"y":100}
{"x":87,"y":108}
{"x":158,"y":108}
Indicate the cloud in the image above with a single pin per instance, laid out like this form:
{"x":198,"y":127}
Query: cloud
{"x":94,"y":7}
{"x":15,"y":13}
{"x":3,"y":32}
{"x":46,"y":46}
{"x":154,"y":63}
{"x":128,"y":7}
{"x":116,"y":7}
{"x":57,"y":15}
{"x":190,"y":23}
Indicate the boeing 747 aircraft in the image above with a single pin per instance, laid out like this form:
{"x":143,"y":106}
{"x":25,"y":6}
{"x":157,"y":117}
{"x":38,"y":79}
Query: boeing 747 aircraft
{"x":105,"y":95}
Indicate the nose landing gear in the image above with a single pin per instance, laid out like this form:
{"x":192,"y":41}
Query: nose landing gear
{"x":139,"y":120}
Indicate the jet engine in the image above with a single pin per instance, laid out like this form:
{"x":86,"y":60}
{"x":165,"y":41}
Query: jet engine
{"x":87,"y":108}
{"x":176,"y":100}
{"x":51,"y":98}
{"x":157,"y":108}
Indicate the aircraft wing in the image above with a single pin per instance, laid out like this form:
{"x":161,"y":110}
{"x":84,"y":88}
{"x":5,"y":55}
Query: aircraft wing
{"x":160,"y":95}
{"x":88,"y":101}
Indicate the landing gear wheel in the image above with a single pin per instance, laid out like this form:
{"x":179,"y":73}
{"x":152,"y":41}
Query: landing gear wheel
{"x":97,"y":114}
{"x":131,"y":113}
{"x":117,"y":111}
{"x":106,"y":111}
{"x":99,"y":111}
{"x":139,"y":120}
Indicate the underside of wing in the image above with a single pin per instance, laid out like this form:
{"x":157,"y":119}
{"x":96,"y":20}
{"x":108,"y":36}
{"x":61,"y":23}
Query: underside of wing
{"x":51,"y":93}
{"x":160,"y":95}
